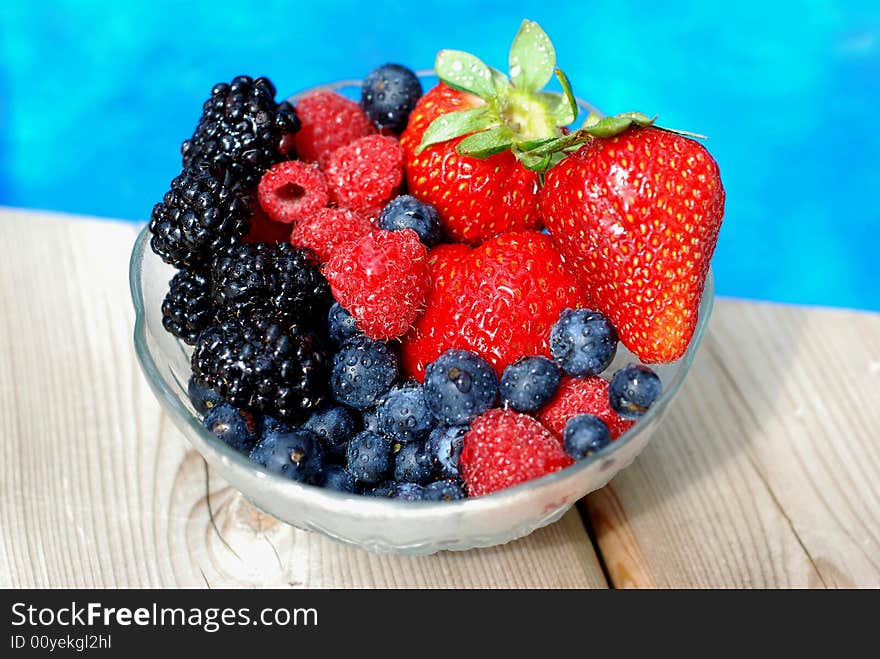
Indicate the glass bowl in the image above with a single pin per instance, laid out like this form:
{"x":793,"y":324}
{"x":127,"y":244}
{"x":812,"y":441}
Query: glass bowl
{"x":382,"y":525}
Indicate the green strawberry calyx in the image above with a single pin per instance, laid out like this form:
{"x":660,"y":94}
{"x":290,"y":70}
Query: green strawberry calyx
{"x":517,"y":115}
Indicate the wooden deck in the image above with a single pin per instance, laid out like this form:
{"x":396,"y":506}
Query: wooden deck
{"x":765,"y":473}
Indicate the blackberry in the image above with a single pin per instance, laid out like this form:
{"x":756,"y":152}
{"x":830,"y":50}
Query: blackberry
{"x":187,"y":308}
{"x":263,"y":365}
{"x":199,"y":216}
{"x":279,"y":277}
{"x":240,"y":130}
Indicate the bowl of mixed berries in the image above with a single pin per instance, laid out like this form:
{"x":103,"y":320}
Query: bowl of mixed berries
{"x":424,"y":312}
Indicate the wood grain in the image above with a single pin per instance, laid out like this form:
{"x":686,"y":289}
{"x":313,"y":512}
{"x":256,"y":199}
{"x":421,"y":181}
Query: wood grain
{"x":98,"y":489}
{"x":766,"y":472}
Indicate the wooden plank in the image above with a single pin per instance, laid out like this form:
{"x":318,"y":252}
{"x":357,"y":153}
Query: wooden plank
{"x":766,"y":471}
{"x":98,"y":489}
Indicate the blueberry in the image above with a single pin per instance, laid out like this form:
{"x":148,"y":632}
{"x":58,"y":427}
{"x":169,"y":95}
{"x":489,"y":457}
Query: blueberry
{"x":369,"y":457}
{"x":296,"y":454}
{"x":389,"y":94}
{"x":409,"y":492}
{"x":336,"y":425}
{"x":583,"y":342}
{"x":413,"y":464}
{"x":385,"y":489}
{"x":341,"y":325}
{"x":232,"y":425}
{"x":363,"y":371}
{"x":634,"y":388}
{"x":336,"y":477}
{"x":459,"y":387}
{"x":269,"y":423}
{"x":404,"y":415}
{"x":585,"y":434}
{"x":444,"y":447}
{"x":445,"y":490}
{"x":407,"y":212}
{"x":202,"y":396}
{"x":371,"y":419}
{"x":529,"y":383}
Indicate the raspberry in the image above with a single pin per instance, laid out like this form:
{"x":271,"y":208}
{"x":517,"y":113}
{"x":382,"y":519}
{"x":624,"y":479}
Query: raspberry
{"x":365,"y":174}
{"x":504,"y":448}
{"x":328,"y":228}
{"x":581,"y":396}
{"x":264,"y":230}
{"x":291,"y":191}
{"x":382,"y":280}
{"x":329,"y":121}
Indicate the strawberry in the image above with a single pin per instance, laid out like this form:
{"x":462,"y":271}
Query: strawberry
{"x":381,"y":279}
{"x":463,"y":139}
{"x":637,"y":215}
{"x":499,"y":300}
{"x":581,"y":396}
{"x":504,"y":448}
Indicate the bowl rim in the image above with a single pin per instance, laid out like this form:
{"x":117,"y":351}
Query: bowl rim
{"x":163,"y":392}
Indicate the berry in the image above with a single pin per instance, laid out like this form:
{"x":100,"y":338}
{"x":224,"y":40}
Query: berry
{"x":409,"y":492}
{"x":232,"y":425}
{"x":412,"y":464}
{"x":637,"y":216}
{"x":335,"y":477}
{"x":295,"y":454}
{"x":240,"y":129}
{"x":200,"y":215}
{"x":263,"y":366}
{"x":264,"y":230}
{"x":341,"y":325}
{"x":328,"y":228}
{"x":460,"y":386}
{"x":202,"y":397}
{"x":187,"y":308}
{"x":389,"y":94}
{"x":363,"y":371}
{"x":404,"y":414}
{"x":335,"y":425}
{"x":504,"y":448}
{"x":444,"y":447}
{"x":528,"y":383}
{"x":581,"y":396}
{"x":445,"y":490}
{"x":634,"y":388}
{"x":329,"y":121}
{"x":385,"y":490}
{"x":407,"y":212}
{"x":583,"y":342}
{"x":369,"y":457}
{"x":276,"y":277}
{"x":370,"y":417}
{"x":585,"y":434}
{"x":498,"y":300}
{"x":476,"y":199}
{"x":270,"y":423}
{"x":365,"y":174}
{"x":292,"y":191}
{"x":382,"y":279}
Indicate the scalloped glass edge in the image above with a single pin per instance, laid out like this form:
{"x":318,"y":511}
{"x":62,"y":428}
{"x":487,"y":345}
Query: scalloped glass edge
{"x":405,"y":511}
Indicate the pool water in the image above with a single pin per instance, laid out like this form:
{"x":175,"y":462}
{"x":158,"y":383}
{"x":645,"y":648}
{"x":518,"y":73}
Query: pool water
{"x":95,"y":98}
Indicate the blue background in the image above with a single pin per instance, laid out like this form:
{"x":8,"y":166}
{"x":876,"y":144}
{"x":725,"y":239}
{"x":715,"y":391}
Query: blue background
{"x":95,"y":98}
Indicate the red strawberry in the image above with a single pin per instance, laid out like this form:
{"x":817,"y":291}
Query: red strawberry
{"x":504,"y":448}
{"x":467,"y":137}
{"x":382,"y":280}
{"x":476,"y":199}
{"x":498,"y":300}
{"x":329,"y":121}
{"x":365,"y":174}
{"x":291,"y":191}
{"x":329,"y":228}
{"x":581,"y":396}
{"x":264,"y":230}
{"x":637,"y":215}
